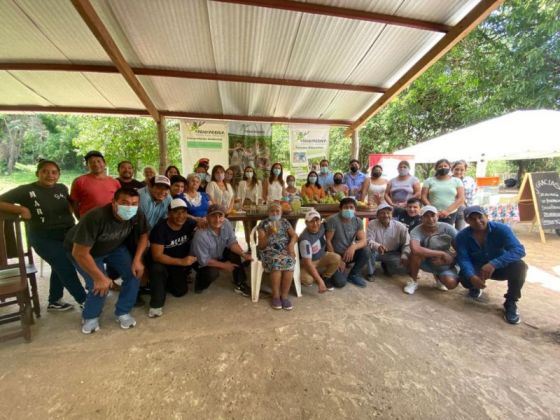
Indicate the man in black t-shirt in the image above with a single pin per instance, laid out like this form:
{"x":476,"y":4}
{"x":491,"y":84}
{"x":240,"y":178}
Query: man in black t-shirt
{"x":99,"y":239}
{"x":410,"y":215}
{"x":126,"y":173}
{"x":169,"y":264}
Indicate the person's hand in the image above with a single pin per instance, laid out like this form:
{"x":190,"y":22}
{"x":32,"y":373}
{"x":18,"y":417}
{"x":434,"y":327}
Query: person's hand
{"x":486,"y":271}
{"x":443,"y":259}
{"x":349,"y":254}
{"x":381,"y":249}
{"x":341,"y":266}
{"x":404,"y":261}
{"x":246,"y":257}
{"x":101,"y":287}
{"x":229,"y":266}
{"x":25,"y":213}
{"x":442,"y":214}
{"x":478,"y":283}
{"x":137,"y":268}
{"x":188,"y":260}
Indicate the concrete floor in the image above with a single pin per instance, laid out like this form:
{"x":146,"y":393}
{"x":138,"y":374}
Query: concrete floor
{"x":352,"y":353}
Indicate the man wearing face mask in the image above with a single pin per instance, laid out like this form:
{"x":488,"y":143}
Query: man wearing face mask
{"x":155,"y":199}
{"x":98,"y":240}
{"x":355,"y":180}
{"x":325,"y":178}
{"x":345,"y":236}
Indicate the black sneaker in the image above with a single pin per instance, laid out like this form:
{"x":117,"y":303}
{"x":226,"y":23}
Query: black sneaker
{"x":370,"y":278}
{"x":475,"y":293}
{"x":511,"y":315}
{"x":59,"y":306}
{"x":242,"y":289}
{"x":329,"y":284}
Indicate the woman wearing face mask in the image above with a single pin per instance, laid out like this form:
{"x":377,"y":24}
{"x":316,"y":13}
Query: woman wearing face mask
{"x":444,"y":192}
{"x":311,"y":189}
{"x":250,"y":188}
{"x":219,"y":191}
{"x":202,"y":173}
{"x":459,"y":168}
{"x":291,"y":190}
{"x":274,"y":187}
{"x":277,"y":241}
{"x":402,"y":188}
{"x":338,"y":186}
{"x":374,"y":187}
{"x":44,"y":205}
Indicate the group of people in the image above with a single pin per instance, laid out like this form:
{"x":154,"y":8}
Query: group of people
{"x":169,"y":225}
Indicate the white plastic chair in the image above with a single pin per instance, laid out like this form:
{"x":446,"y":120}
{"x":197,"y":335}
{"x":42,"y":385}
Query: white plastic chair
{"x":257,"y":269}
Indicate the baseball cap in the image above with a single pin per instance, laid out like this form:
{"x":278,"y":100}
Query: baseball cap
{"x":473,"y":209}
{"x":383,"y":206}
{"x":93,"y":153}
{"x":426,"y":209}
{"x":162,"y":180}
{"x":312,"y":214}
{"x":216,"y":208}
{"x":177,"y":203}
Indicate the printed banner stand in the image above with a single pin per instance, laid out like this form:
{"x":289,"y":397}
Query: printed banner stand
{"x":203,"y":139}
{"x":308,"y":146}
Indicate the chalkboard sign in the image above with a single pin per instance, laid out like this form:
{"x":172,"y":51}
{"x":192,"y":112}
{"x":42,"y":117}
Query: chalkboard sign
{"x":547,"y":191}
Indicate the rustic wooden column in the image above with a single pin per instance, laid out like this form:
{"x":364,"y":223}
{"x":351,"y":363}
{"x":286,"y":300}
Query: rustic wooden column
{"x":162,"y":142}
{"x":355,"y":145}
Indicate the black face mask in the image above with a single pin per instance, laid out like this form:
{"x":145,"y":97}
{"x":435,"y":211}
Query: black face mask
{"x":354,"y":169}
{"x":442,"y":171}
{"x":338,"y":181}
{"x":376,"y":174}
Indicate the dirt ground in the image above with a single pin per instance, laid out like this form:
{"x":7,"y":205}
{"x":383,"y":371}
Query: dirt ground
{"x":351,"y":353}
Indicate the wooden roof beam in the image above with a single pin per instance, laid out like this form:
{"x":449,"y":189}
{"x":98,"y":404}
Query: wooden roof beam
{"x":459,"y":31}
{"x":98,"y":28}
{"x":183,"y":74}
{"x":341,"y":12}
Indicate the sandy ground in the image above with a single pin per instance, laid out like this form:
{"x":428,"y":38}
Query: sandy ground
{"x":352,"y":353}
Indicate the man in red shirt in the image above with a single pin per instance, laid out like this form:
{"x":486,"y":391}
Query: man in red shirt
{"x":94,"y":189}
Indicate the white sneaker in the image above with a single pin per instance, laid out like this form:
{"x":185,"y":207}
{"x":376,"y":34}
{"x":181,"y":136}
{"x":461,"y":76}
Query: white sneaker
{"x":126,"y":321}
{"x":441,"y":286}
{"x":90,"y":326}
{"x":410,"y":287}
{"x":155,"y":312}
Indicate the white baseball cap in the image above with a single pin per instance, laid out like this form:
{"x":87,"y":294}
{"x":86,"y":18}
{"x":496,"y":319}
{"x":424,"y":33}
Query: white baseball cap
{"x":162,"y":180}
{"x":177,"y":203}
{"x":312,"y":214}
{"x":426,"y":209}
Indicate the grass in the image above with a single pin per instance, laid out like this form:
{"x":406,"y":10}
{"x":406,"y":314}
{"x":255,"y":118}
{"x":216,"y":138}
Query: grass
{"x":25,"y":174}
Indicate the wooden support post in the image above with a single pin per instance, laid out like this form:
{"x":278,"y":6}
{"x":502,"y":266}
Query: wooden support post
{"x":355,"y":145}
{"x":162,"y":142}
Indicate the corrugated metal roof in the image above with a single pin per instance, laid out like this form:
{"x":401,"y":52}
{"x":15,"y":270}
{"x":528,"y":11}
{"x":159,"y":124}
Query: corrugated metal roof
{"x":216,"y":38}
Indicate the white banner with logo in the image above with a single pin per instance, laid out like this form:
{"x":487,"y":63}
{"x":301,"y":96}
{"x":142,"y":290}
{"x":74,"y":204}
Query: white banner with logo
{"x":308,"y":146}
{"x":203,"y":139}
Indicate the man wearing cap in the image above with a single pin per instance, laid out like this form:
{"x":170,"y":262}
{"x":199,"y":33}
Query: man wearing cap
{"x":155,"y":199}
{"x":97,"y":242}
{"x":318,"y":264}
{"x":354,"y":179}
{"x":345,"y":236}
{"x":216,"y":249}
{"x":431,"y":244}
{"x":94,"y":189}
{"x":126,"y":173}
{"x":389,"y":241}
{"x":490,"y":250}
{"x":169,"y":263}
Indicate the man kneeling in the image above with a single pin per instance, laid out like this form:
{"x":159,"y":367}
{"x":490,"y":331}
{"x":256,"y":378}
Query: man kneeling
{"x":490,"y":250}
{"x":431,"y":244}
{"x":217,"y":249}
{"x":170,"y":263}
{"x":318,"y":265}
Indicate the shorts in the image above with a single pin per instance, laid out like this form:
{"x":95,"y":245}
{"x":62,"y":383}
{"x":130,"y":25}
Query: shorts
{"x":439,"y":270}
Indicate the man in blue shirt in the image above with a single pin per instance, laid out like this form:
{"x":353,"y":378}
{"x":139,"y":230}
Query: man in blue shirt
{"x":354,"y":179}
{"x":490,"y":250}
{"x":325,"y":178}
{"x":155,"y":199}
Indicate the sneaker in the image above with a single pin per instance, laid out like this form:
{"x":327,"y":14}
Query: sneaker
{"x":511,"y":315}
{"x":370,"y":278}
{"x":82,"y":306}
{"x":276,"y":303}
{"x":59,"y":306}
{"x":155,"y":312}
{"x":357,"y":281}
{"x":126,"y":321}
{"x":287,"y":305}
{"x":385,"y":269}
{"x":475,"y":293}
{"x":410,"y":287}
{"x":90,"y":326}
{"x":329,"y":285}
{"x":441,"y":286}
{"x":242,"y":289}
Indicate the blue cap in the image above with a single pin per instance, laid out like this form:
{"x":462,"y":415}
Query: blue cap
{"x":473,"y":209}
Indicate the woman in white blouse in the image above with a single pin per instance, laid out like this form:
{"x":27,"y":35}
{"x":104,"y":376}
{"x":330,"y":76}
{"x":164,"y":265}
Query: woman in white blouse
{"x":218,"y":190}
{"x":274,"y":186}
{"x":249,"y":190}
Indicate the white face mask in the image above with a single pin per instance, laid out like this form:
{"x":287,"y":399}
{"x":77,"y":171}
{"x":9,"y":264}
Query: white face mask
{"x":248,"y":175}
{"x":220,"y":177}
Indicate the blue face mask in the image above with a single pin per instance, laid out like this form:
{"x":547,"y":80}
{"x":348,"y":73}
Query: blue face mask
{"x":275,"y":217}
{"x":313,"y":179}
{"x":324,"y":169}
{"x":126,"y":212}
{"x":347,"y":213}
{"x":276,"y":171}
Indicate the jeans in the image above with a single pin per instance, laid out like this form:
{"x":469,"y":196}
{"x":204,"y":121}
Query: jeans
{"x":514,"y":273}
{"x":361,"y":257}
{"x":49,"y":246}
{"x":391,"y":259}
{"x":205,"y":276}
{"x":167,"y":278}
{"x":119,"y":260}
